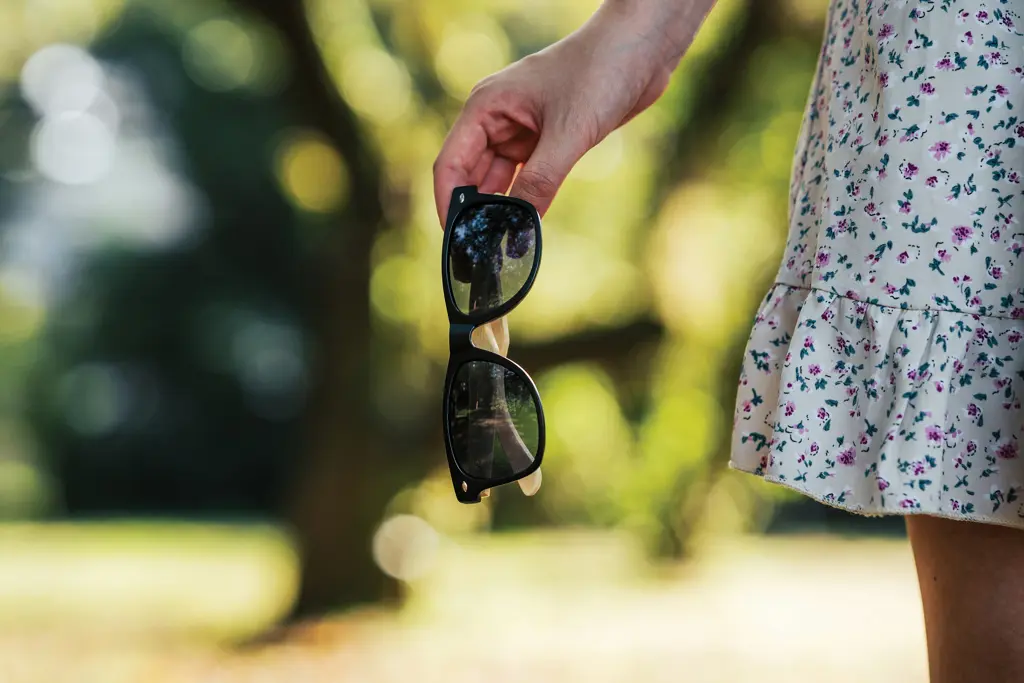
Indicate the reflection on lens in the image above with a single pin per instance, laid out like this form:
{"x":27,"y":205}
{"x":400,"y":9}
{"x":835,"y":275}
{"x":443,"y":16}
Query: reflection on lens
{"x":490,"y":255}
{"x":492,"y":419}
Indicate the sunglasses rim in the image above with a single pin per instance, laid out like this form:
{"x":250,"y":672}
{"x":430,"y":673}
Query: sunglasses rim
{"x":474,"y":485}
{"x":456,"y":208}
{"x":462,"y":351}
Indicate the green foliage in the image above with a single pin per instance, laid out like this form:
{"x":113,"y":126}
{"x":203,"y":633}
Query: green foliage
{"x":678,"y":217}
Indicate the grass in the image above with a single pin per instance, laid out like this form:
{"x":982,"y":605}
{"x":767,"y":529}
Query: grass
{"x":150,"y":603}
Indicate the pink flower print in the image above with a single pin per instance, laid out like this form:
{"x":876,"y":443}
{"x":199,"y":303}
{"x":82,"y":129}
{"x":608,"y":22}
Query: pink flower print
{"x":958,"y":366}
{"x":974,"y":300}
{"x":968,"y":38}
{"x":863,"y":439}
{"x":934,"y":433}
{"x":908,"y":503}
{"x":822,"y":414}
{"x":904,"y":207}
{"x":972,"y":447}
{"x":981,"y":16}
{"x":890,"y":288}
{"x":882,"y":484}
{"x":883,"y":140}
{"x":886,"y":32}
{"x":842,"y":226}
{"x":981,"y":334}
{"x":1014,"y":337}
{"x":927,"y":89}
{"x":871,"y":209}
{"x":789,"y":409}
{"x":932,"y":181}
{"x":814,"y":369}
{"x":809,"y":343}
{"x":994,"y":233}
{"x":954,"y":504}
{"x":903,"y":257}
{"x":944,"y":255}
{"x":940,"y":150}
{"x":962,"y":16}
{"x":918,"y":468}
{"x":1007,"y":20}
{"x":747,"y":406}
{"x":995,"y":272}
{"x":822,"y":259}
{"x":814,"y":447}
{"x":944,"y":64}
{"x":1017,"y":313}
{"x":1007,"y":450}
{"x":973,"y":410}
{"x":828,"y":314}
{"x":1014,"y":177}
{"x":1001,"y":90}
{"x":962,"y":233}
{"x":847,"y":456}
{"x":908,"y":170}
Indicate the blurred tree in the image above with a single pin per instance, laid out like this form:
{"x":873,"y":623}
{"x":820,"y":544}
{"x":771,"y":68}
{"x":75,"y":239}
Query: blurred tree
{"x":334,"y":288}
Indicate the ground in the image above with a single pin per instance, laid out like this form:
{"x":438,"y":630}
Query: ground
{"x":159,"y":603}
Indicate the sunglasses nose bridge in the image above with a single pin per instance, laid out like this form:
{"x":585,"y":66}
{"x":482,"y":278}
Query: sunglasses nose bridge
{"x":460,"y":338}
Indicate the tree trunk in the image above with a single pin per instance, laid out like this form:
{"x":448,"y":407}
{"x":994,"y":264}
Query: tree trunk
{"x":343,"y":484}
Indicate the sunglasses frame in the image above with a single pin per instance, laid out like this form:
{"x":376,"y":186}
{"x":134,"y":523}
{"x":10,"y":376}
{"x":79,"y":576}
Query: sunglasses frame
{"x":461,"y":350}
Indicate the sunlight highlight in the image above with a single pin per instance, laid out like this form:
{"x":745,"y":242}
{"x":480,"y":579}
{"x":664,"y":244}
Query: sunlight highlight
{"x":61,"y":79}
{"x":470,"y":51}
{"x":312,"y":172}
{"x":405,"y":547}
{"x":376,"y":85}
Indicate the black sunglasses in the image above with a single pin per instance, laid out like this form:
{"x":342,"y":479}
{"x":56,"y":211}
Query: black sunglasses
{"x":493,"y":419}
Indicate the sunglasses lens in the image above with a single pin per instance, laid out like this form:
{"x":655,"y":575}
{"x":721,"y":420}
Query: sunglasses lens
{"x":491,"y":254}
{"x":493,"y":421}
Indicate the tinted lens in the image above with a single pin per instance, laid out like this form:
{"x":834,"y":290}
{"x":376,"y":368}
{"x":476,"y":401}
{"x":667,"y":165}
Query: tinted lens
{"x":490,"y":255}
{"x":493,"y":421}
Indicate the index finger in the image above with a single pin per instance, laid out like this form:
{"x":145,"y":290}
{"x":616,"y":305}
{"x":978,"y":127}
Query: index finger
{"x":465,"y":144}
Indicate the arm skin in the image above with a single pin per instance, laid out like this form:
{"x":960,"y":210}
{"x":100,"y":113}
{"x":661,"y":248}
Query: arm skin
{"x":532,"y":121}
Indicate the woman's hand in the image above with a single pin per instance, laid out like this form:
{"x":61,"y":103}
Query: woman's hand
{"x":547,"y":110}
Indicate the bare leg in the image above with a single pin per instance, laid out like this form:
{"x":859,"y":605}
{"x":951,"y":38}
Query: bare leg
{"x":972,"y":588}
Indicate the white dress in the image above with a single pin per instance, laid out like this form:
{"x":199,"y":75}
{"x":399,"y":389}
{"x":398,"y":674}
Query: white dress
{"x":885,"y":369}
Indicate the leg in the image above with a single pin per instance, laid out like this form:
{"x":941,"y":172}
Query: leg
{"x":972,"y":589}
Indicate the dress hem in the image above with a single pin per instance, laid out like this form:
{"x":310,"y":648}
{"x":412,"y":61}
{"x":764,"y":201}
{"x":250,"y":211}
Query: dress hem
{"x":863,"y":512}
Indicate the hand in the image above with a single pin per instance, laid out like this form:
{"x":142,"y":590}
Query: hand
{"x":547,"y":110}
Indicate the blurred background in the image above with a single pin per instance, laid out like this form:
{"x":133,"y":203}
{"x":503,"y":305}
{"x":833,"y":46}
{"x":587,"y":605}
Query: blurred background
{"x":222,"y":344}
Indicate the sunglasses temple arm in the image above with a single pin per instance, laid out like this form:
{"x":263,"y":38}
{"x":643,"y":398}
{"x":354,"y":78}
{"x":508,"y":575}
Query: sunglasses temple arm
{"x":518,"y":454}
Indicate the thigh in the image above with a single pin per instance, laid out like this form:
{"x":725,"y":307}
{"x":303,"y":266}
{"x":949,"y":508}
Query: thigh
{"x":972,"y":590}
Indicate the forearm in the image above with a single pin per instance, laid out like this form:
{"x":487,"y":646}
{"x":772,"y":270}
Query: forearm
{"x":667,"y":27}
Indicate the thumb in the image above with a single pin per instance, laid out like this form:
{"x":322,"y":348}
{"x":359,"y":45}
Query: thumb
{"x":544,"y":172}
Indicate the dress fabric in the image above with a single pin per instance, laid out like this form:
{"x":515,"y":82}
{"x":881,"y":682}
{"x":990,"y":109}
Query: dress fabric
{"x":885,"y":369}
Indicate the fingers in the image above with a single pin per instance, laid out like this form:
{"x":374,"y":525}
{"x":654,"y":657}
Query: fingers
{"x":499,"y":176}
{"x":545,"y":171}
{"x":458,"y":159}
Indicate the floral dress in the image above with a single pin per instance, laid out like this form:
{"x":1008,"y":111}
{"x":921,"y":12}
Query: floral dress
{"x":885,"y":370}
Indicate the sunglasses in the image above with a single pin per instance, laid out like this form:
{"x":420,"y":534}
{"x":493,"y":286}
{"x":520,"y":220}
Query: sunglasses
{"x":493,"y":419}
